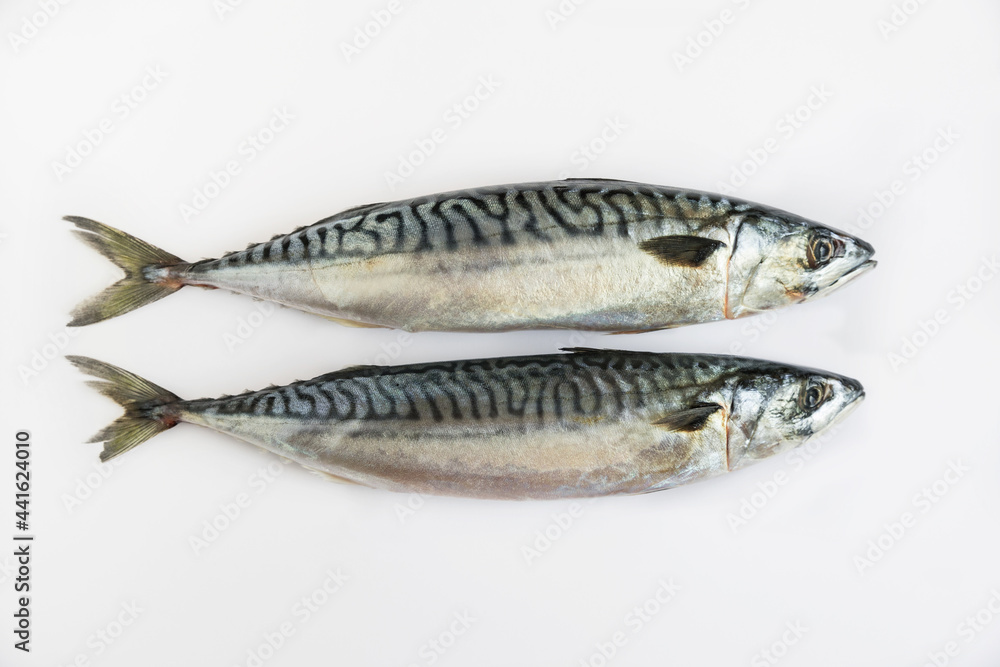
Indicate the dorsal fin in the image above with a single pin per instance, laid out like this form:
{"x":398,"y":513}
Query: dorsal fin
{"x":584,"y":350}
{"x":601,"y":180}
{"x":354,"y":210}
{"x":346,"y":372}
{"x":691,"y":419}
{"x":691,"y":251}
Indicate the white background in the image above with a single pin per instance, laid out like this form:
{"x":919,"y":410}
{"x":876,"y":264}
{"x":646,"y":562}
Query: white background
{"x":123,"y":539}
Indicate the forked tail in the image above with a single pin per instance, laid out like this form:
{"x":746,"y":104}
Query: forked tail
{"x":147,"y":406}
{"x":134,"y":256}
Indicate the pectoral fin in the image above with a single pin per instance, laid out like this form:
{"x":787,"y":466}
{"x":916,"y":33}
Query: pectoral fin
{"x":691,"y":251}
{"x":691,"y":419}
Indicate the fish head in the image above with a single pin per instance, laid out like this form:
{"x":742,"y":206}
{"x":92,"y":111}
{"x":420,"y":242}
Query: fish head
{"x":779,"y":410}
{"x":779,"y":259}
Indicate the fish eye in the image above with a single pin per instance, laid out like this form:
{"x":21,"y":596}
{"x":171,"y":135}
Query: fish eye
{"x":821,"y":250}
{"x":813,"y":395}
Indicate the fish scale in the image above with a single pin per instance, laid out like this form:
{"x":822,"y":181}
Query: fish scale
{"x":538,"y":210}
{"x":580,"y":254}
{"x":522,"y":387}
{"x":583,"y":423}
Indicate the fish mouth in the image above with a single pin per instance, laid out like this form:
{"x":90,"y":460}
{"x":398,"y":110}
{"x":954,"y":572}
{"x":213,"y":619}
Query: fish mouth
{"x":851,"y":405}
{"x":850,"y":276}
{"x":859,"y":270}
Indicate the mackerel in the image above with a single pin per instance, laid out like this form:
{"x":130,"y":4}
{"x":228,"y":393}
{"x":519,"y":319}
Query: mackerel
{"x":580,"y":424}
{"x":588,"y":254}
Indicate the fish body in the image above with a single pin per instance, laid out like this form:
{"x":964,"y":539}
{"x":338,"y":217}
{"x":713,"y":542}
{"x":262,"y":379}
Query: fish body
{"x":581,"y":424}
{"x":588,"y":254}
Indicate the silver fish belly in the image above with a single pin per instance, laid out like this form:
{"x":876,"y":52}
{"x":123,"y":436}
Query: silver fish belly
{"x":584,"y":254}
{"x":494,"y":259}
{"x":586,"y":423}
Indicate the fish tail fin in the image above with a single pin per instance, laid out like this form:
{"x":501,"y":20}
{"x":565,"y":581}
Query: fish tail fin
{"x":147,"y":406}
{"x":136,"y":258}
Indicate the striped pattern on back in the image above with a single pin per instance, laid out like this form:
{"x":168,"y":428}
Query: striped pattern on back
{"x":586,"y":383}
{"x":491,"y":216}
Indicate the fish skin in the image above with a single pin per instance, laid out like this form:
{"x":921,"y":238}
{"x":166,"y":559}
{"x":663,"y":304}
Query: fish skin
{"x":586,"y":254}
{"x":580,"y":424}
